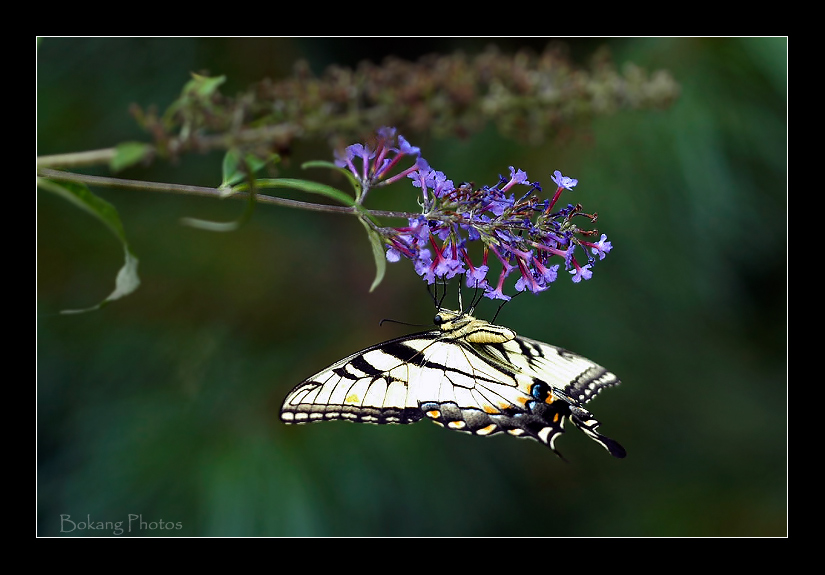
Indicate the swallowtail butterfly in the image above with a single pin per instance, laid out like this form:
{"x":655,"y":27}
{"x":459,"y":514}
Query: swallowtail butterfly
{"x":468,"y":375}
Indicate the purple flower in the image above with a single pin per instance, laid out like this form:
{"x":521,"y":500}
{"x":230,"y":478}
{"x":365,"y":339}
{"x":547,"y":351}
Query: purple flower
{"x":448,"y":262}
{"x":516,"y":177}
{"x":548,"y":273}
{"x":404,"y":147}
{"x":530,"y":280}
{"x":498,"y":202}
{"x":419,"y":229}
{"x":472,"y":232}
{"x":564,"y":181}
{"x":344,"y":160}
{"x":448,"y":268}
{"x":476,"y":277}
{"x":602,"y":247}
{"x":378,"y":162}
{"x":393,"y":254}
{"x":580,"y":273}
{"x":568,"y":256}
{"x":441,"y":185}
{"x":497,"y":293}
{"x":363,"y":152}
{"x":423,"y":265}
{"x":386,"y":133}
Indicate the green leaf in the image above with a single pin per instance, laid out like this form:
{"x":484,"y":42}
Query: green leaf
{"x":230,"y":169}
{"x":233,"y":171}
{"x":198,"y":90}
{"x":377,"y":253}
{"x":203,"y":86}
{"x":127,"y":279}
{"x":223,"y":226}
{"x":128,"y":154}
{"x":356,"y":185}
{"x":210,"y":226}
{"x":82,"y":197}
{"x":320,"y":164}
{"x":126,"y":282}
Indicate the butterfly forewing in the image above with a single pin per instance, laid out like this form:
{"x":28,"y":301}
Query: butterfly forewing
{"x":468,"y":376}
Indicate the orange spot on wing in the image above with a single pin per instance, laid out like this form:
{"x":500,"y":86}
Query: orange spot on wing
{"x":487,"y":430}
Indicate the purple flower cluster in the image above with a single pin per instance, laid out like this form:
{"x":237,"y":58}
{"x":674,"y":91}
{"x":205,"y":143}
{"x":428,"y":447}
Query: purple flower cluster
{"x":519,"y":231}
{"x":377,"y":162}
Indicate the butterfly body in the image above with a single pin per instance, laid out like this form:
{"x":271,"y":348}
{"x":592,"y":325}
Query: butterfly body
{"x":468,"y":375}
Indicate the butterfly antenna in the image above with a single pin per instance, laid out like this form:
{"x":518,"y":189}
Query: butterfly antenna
{"x":381,"y":323}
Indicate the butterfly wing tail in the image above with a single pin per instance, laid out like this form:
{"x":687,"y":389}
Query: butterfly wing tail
{"x":582,"y":419}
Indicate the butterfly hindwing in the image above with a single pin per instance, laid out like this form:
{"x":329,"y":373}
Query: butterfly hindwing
{"x":468,"y":376}
{"x":575,"y":379}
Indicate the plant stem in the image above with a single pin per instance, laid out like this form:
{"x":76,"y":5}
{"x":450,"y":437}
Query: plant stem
{"x":76,"y":159}
{"x":205,"y":192}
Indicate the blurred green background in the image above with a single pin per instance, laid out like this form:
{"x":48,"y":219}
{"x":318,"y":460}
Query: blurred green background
{"x":164,"y":406}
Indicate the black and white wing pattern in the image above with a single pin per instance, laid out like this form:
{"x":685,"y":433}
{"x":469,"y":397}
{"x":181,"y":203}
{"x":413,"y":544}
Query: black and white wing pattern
{"x":469,"y":375}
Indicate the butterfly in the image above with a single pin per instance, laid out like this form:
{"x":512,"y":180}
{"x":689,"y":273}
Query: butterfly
{"x":467,"y":375}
